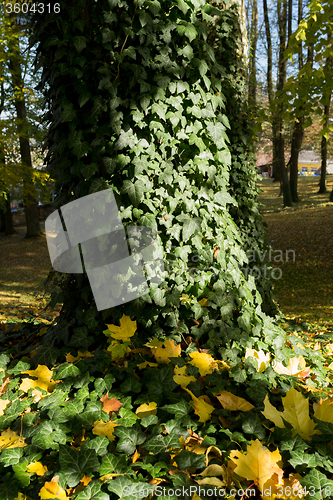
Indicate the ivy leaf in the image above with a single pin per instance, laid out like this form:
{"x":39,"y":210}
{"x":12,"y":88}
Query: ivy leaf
{"x":317,"y":485}
{"x":129,"y":439}
{"x":75,"y":464}
{"x":93,"y":492}
{"x":161,"y":444}
{"x":68,"y":114}
{"x":134,"y":190}
{"x":183,"y":6}
{"x":190,"y":227}
{"x":13,"y":456}
{"x":79,"y":43}
{"x":113,"y":464}
{"x":67,"y":370}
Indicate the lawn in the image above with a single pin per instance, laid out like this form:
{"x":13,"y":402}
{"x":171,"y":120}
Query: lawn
{"x":304,"y":290}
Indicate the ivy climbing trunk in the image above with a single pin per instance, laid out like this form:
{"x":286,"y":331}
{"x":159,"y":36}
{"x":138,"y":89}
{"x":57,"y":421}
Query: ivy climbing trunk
{"x":140,"y":98}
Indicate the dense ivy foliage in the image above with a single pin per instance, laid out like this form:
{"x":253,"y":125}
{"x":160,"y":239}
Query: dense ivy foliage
{"x":140,"y":99}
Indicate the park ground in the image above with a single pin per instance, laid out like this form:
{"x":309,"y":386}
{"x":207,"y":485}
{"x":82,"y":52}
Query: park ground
{"x":302,"y":234}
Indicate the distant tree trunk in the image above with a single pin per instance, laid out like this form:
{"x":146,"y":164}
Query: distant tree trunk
{"x":331,"y":196}
{"x":276,"y":172}
{"x":298,"y":130}
{"x":9,"y":225}
{"x":2,"y":221}
{"x":323,"y":149}
{"x":29,"y":202}
{"x":252,"y":100}
{"x":280,"y":126}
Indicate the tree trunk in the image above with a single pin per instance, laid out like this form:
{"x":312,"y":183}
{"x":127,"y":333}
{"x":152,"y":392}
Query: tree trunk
{"x":252,"y":100}
{"x":298,"y":130}
{"x":296,"y":143}
{"x":282,"y":71}
{"x":29,"y":200}
{"x":331,"y":196}
{"x":9,"y":225}
{"x":323,"y":150}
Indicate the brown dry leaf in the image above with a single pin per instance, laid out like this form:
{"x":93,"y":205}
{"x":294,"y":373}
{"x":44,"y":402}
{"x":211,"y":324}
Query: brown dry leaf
{"x":276,"y":487}
{"x":3,"y":386}
{"x":136,"y":456}
{"x":110,"y":405}
{"x":257,"y":464}
{"x":233,"y":403}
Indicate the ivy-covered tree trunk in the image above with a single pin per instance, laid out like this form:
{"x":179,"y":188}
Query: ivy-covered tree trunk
{"x":147,"y":99}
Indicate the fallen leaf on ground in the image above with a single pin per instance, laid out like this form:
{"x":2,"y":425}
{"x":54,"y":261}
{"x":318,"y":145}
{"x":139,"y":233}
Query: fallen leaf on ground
{"x":123,"y":332}
{"x":168,"y":350}
{"x":38,"y":468}
{"x":233,"y":403}
{"x":261,"y":357}
{"x":257,"y":464}
{"x":204,"y":362}
{"x":10,"y":439}
{"x":146,"y":410}
{"x":110,"y":405}
{"x":101,"y":428}
{"x":181,"y":377}
{"x":296,"y":413}
{"x":202,"y":406}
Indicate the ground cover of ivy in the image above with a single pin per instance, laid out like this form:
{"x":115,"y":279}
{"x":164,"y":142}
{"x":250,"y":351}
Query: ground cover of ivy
{"x":123,"y":421}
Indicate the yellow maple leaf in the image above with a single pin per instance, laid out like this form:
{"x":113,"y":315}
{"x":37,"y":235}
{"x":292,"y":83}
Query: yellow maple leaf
{"x":146,"y":410}
{"x":10,"y":439}
{"x":105,"y":429}
{"x":286,"y":488}
{"x":295,"y":366}
{"x":257,"y":464}
{"x":260,"y":356}
{"x":154,"y":343}
{"x":3,"y":405}
{"x":233,"y":403}
{"x":37,"y":468}
{"x":125,"y":331}
{"x":51,"y":489}
{"x":168,"y":350}
{"x":143,"y":365}
{"x":80,"y":355}
{"x":181,"y":377}
{"x":324,"y":410}
{"x":44,"y":379}
{"x":204,"y":362}
{"x":203,"y":302}
{"x":202,"y":406}
{"x":296,"y":413}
